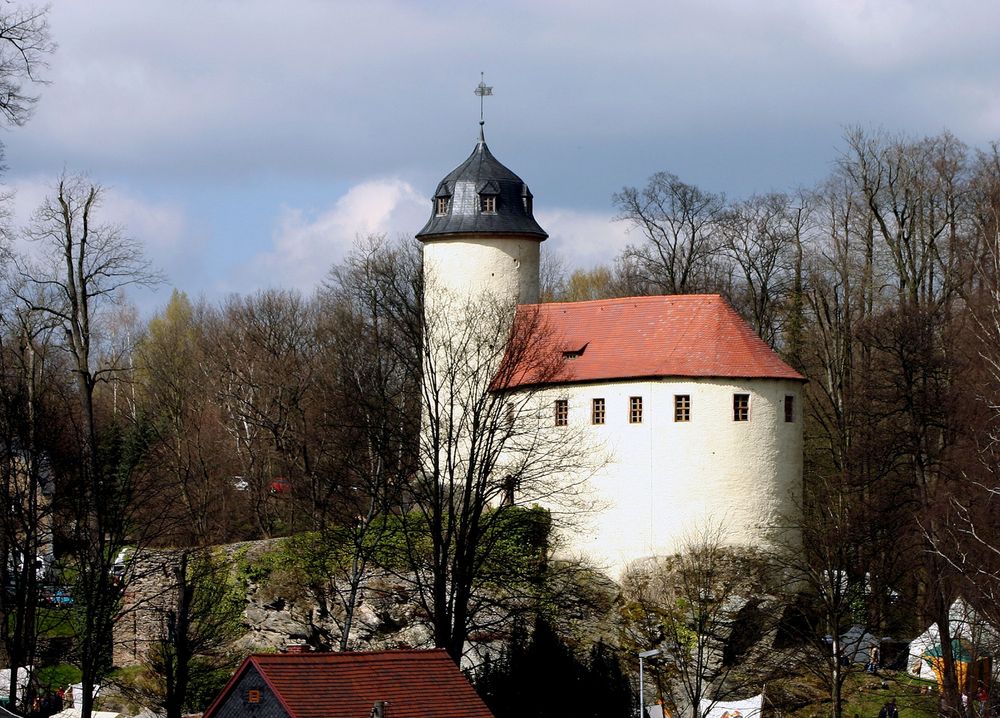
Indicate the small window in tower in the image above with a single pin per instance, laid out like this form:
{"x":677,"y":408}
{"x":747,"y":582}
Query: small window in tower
{"x":488,"y":202}
{"x":789,"y":408}
{"x":597,"y":411}
{"x":741,"y":407}
{"x":562,"y":412}
{"x":682,"y":407}
{"x":635,"y":410}
{"x":527,"y":203}
{"x":442,"y":205}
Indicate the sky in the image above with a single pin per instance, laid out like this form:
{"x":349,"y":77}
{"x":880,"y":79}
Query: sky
{"x":247,"y":144}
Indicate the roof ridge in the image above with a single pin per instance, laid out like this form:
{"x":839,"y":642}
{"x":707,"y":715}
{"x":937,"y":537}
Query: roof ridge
{"x":642,"y":298}
{"x":387,"y":651}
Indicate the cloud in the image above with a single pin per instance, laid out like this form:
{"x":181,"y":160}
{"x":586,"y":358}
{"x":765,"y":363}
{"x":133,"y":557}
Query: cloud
{"x":583,"y":239}
{"x":304,"y":247}
{"x":162,"y":229}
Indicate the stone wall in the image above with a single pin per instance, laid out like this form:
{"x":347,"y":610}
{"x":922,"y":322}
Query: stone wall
{"x":278,"y":612}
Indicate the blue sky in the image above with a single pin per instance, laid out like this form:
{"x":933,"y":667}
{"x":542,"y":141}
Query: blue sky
{"x":247,"y":143}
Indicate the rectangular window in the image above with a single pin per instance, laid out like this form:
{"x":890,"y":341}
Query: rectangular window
{"x":253,"y":696}
{"x":442,"y":205}
{"x":635,"y":410}
{"x":789,"y":408}
{"x":741,"y":407}
{"x":562,"y":412}
{"x":597,"y":411}
{"x":510,"y":414}
{"x":489,"y":203}
{"x":682,"y":407}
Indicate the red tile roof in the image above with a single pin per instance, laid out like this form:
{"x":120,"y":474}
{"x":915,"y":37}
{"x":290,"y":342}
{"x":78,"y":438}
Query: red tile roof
{"x":691,"y":335}
{"x":413,"y":683}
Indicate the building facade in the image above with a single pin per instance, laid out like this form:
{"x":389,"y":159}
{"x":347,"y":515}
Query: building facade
{"x":695,"y":422}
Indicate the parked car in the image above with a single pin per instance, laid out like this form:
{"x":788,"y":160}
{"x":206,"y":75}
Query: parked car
{"x":280,"y":485}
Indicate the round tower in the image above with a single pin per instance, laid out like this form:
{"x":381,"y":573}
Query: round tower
{"x":481,"y":241}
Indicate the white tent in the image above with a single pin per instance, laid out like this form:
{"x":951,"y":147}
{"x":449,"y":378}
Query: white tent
{"x":75,"y":713}
{"x":23,"y":676}
{"x":963,"y":622}
{"x":856,"y":644}
{"x":917,"y":666}
{"x":747,"y":708}
{"x":78,"y":695}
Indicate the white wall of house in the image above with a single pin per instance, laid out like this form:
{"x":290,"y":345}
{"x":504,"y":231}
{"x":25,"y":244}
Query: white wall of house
{"x":665,"y":480}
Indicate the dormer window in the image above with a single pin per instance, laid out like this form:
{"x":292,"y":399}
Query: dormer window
{"x":488,"y":203}
{"x":442,"y":205}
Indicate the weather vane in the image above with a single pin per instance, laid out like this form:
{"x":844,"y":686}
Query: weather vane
{"x":482,"y":89}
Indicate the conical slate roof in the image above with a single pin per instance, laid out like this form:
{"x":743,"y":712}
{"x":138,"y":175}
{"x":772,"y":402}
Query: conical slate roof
{"x":466,"y":212}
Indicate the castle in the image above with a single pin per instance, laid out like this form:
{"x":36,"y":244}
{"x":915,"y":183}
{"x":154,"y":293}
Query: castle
{"x":701,"y":421}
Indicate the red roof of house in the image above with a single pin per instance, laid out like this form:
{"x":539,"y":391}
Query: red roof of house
{"x":691,"y":335}
{"x":413,"y":683}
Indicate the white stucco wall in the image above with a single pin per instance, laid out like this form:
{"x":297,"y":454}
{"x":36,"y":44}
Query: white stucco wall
{"x":666,"y":480}
{"x":476,"y":264}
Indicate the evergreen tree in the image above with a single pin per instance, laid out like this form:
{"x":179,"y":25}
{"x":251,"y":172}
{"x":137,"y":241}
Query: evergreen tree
{"x":543,"y":677}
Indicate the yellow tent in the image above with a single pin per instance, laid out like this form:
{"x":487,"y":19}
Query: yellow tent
{"x":972,"y":669}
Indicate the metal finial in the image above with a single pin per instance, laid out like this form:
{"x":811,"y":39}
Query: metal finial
{"x":482,"y":89}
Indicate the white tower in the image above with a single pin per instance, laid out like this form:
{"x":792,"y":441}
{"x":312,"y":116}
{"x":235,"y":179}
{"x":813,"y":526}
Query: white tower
{"x":481,"y":241}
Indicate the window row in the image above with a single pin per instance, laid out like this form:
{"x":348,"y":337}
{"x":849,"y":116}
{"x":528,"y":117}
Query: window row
{"x":682,"y":409}
{"x":487,"y":204}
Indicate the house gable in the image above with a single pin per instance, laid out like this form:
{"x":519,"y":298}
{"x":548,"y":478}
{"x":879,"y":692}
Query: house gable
{"x":248,"y":695}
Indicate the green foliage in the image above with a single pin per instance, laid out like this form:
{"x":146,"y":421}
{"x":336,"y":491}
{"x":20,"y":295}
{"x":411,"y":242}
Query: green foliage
{"x":518,"y":542}
{"x":218,"y":601}
{"x":57,"y":622}
{"x":52,"y":678}
{"x":208,"y":678}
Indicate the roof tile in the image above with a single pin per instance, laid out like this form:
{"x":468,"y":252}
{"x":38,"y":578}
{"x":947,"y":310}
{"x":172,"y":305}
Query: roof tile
{"x":414,"y":684}
{"x":691,"y":335}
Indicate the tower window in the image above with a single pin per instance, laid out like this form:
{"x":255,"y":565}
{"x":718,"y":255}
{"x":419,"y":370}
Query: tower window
{"x":682,"y":407}
{"x":442,"y":205}
{"x":635,"y":410}
{"x":597,"y":409}
{"x":488,"y":203}
{"x":527,"y":203}
{"x":562,"y":412}
{"x":741,"y":407}
{"x":789,"y":408}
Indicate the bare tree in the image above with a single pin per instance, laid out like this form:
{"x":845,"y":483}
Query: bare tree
{"x":29,"y":429}
{"x":24,"y":47}
{"x":367,"y":372}
{"x":193,"y":452}
{"x":762,"y":238}
{"x":264,"y":356}
{"x":483,"y":449}
{"x":678,"y":223}
{"x":707,"y":610}
{"x":197,"y":628}
{"x":78,"y":272}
